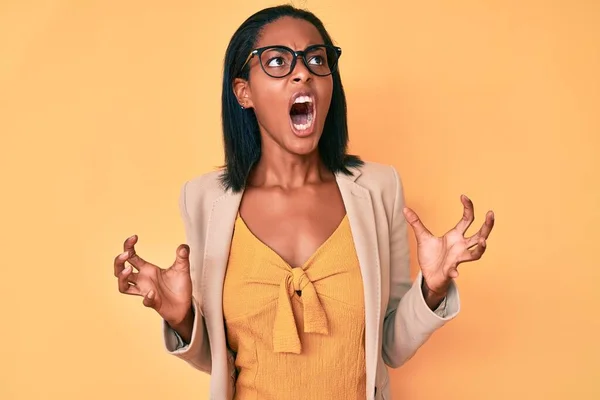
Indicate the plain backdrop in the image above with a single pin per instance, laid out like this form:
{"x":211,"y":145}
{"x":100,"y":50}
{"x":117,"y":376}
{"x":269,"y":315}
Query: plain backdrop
{"x":108,"y":107}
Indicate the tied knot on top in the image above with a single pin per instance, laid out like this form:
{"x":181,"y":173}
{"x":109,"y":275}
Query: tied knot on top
{"x":299,"y":280}
{"x":285,"y":331}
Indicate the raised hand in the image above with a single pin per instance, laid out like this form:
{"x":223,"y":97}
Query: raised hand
{"x":168,"y":291}
{"x":439,"y":257}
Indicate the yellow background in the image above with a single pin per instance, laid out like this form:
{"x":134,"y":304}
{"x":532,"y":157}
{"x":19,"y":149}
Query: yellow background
{"x":107,"y":107}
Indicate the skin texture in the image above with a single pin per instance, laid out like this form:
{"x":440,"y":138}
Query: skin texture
{"x":304,"y":203}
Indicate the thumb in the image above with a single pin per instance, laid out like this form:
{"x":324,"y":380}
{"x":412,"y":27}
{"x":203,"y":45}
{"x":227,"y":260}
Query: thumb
{"x":182,"y":259}
{"x":150,"y":299}
{"x":413,"y":219}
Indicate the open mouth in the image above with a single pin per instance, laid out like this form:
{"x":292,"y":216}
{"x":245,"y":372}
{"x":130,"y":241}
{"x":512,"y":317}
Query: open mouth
{"x":302,"y":113}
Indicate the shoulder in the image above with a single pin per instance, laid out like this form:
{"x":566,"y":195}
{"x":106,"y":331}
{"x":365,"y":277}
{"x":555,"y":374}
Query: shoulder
{"x":208,"y":182}
{"x":384,"y":185}
{"x":380,"y":178}
{"x":375,"y":171}
{"x":202,"y":188}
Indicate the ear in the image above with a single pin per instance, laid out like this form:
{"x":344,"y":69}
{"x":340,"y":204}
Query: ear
{"x":242,"y":91}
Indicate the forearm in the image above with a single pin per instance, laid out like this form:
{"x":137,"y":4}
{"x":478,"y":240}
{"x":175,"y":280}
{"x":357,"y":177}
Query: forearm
{"x":413,"y":321}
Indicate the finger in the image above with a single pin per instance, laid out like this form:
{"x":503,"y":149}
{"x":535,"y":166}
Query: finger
{"x":119,"y":263}
{"x":124,"y":286}
{"x":476,"y":253}
{"x":130,"y":275}
{"x":129,"y":247}
{"x":413,"y":219}
{"x":182,"y":258}
{"x":150,"y":299}
{"x":488,"y":225}
{"x":453,"y":272}
{"x":484,"y":231}
{"x":468,"y":215}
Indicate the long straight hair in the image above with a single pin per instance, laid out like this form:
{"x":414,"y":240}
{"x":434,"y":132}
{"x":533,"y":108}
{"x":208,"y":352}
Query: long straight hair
{"x":241,"y":135}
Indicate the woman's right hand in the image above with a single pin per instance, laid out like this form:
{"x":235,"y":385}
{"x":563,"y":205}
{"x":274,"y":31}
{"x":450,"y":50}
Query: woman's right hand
{"x":168,"y":291}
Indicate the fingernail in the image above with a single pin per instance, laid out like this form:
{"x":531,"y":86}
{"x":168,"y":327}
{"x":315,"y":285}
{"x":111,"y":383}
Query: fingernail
{"x":124,"y":255}
{"x":151,"y":294}
{"x":183,"y":252}
{"x":131,"y":237}
{"x":126,"y":270}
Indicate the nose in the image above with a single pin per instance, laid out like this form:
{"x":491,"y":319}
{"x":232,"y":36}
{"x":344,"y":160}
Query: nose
{"x":301,"y":72}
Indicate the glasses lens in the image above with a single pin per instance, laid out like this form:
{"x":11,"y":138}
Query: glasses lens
{"x":277,"y":61}
{"x":321,"y":60}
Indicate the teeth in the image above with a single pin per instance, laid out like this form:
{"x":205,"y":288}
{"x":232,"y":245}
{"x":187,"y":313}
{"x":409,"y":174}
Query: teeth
{"x":303,"y":99}
{"x":308,"y":124}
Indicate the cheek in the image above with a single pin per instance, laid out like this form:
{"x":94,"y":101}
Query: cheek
{"x":269,"y":103}
{"x":326,"y":95}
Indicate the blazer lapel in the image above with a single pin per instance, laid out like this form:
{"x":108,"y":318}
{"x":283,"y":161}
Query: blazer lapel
{"x":219,"y":232}
{"x":359,"y":209}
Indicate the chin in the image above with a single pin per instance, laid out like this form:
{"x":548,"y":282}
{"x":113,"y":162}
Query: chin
{"x":303,"y":146}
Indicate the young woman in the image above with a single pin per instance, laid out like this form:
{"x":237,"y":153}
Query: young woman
{"x":295,"y":280}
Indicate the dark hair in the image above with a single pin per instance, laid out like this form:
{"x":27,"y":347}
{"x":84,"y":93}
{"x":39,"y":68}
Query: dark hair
{"x":241,"y":134}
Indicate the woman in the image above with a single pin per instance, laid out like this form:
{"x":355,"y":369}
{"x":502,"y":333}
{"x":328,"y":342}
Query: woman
{"x":295,"y":281}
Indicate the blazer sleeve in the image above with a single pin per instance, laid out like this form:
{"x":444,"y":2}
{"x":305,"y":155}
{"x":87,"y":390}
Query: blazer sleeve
{"x":197,"y":352}
{"x":409,"y":321}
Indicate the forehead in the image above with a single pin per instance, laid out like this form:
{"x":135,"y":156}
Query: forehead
{"x":291,"y":32}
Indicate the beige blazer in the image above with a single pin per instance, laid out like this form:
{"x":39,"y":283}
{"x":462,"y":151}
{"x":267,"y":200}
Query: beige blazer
{"x":397,"y":319}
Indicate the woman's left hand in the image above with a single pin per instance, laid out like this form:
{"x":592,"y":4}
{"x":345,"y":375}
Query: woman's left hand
{"x":439,"y":257}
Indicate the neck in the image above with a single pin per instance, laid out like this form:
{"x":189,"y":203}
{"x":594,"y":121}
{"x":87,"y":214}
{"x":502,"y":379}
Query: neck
{"x":288,"y":171}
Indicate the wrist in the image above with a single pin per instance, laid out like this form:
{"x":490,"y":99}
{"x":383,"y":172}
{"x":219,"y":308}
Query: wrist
{"x":433,"y":297}
{"x":186,"y":320}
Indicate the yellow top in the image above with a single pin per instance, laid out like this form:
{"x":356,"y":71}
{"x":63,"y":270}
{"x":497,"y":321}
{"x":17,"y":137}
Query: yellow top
{"x":298,"y":332}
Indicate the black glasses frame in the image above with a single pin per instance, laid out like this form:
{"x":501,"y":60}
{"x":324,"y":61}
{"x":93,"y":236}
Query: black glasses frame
{"x":300,"y":53}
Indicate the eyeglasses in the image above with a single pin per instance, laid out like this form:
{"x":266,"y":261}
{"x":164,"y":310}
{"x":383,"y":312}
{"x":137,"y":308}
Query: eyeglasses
{"x":279,"y":61}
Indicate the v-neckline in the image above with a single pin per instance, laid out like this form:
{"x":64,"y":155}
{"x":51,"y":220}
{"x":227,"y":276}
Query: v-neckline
{"x":279,"y":257}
